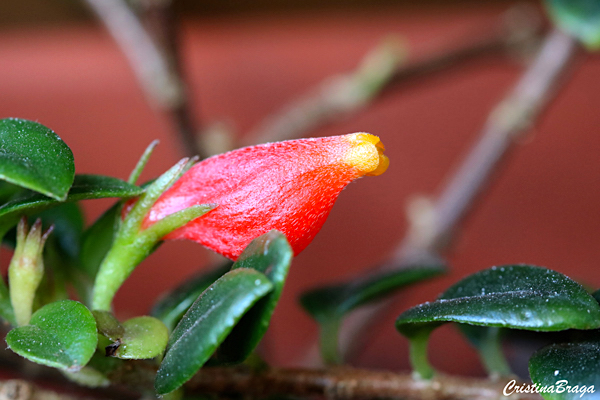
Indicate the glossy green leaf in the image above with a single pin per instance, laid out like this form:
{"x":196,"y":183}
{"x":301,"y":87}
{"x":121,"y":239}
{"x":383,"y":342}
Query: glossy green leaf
{"x":34,"y":157}
{"x":84,"y":187}
{"x":144,"y":338}
{"x":272,"y":255}
{"x":580,"y":18}
{"x":207,"y":323}
{"x":567,"y":371}
{"x":514,"y":296}
{"x":98,"y":239}
{"x":8,"y":190}
{"x":60,"y":335}
{"x":171,"y":307}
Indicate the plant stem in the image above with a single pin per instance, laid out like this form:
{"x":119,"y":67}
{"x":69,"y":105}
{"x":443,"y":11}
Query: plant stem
{"x":344,"y":383}
{"x":328,"y":336}
{"x":153,"y":55}
{"x":381,"y":69}
{"x":507,"y":122}
{"x":418,"y":356}
{"x":492,"y":354}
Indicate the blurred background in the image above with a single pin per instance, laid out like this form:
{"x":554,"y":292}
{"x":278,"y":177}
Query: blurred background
{"x":244,"y":61}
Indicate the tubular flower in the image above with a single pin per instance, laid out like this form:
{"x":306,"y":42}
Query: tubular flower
{"x":289,"y":186}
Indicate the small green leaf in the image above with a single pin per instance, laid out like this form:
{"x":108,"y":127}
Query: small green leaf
{"x":207,"y":323}
{"x":60,"y":335}
{"x":108,"y":325}
{"x":580,"y":18}
{"x":272,"y":255}
{"x":84,"y":187}
{"x":34,"y":157}
{"x":170,"y":308}
{"x":98,"y":239}
{"x":514,"y":296}
{"x":329,"y":304}
{"x":145,"y":337}
{"x":567,"y":365}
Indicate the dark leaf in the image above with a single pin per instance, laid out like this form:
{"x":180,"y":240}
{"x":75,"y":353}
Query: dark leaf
{"x":84,"y":187}
{"x":514,"y":296}
{"x":573,"y":365}
{"x":272,"y":255}
{"x":170,"y":308}
{"x":207,"y":323}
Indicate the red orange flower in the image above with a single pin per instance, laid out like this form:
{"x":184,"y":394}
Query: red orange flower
{"x":289,"y":186}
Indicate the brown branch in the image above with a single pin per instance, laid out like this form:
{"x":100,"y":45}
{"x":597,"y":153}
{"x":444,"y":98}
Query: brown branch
{"x":383,"y":68}
{"x":149,"y":42}
{"x":344,"y":383}
{"x":434,"y":227}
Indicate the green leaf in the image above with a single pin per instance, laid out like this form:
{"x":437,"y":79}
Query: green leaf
{"x":84,"y":187}
{"x":329,"y":304}
{"x":108,"y":325}
{"x":98,"y":239}
{"x":335,"y":301}
{"x":170,"y":308}
{"x":34,"y":157}
{"x":514,"y":296}
{"x":580,"y":18}
{"x":145,"y":337}
{"x":207,"y":323}
{"x":568,"y":365}
{"x":272,"y":255}
{"x":60,"y":335}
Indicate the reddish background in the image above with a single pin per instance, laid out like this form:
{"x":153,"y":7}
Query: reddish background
{"x":542,"y":210}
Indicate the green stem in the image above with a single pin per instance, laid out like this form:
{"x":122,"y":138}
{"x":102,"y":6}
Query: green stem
{"x":418,"y":356}
{"x":120,"y":261}
{"x":492,"y":356}
{"x":328,"y":341}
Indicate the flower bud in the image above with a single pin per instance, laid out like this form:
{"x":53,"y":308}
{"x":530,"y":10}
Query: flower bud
{"x":26,"y":269}
{"x":288,"y":186}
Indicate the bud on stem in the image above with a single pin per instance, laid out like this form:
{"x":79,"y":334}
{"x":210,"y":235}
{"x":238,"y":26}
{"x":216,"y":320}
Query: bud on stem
{"x":26,"y":269}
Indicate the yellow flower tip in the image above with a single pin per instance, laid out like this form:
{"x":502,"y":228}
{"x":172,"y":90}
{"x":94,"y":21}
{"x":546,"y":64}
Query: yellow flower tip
{"x":366,"y":154}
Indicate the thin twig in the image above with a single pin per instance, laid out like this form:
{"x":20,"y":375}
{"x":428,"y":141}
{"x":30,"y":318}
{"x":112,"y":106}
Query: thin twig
{"x":344,"y":383}
{"x":151,"y":47}
{"x":383,"y":68}
{"x":434,"y":228}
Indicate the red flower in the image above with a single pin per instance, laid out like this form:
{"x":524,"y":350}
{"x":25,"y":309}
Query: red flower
{"x":289,"y":186}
